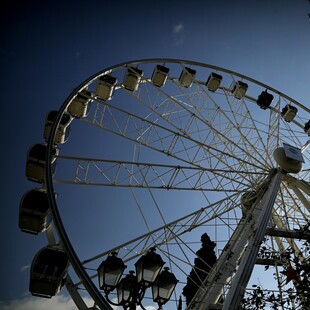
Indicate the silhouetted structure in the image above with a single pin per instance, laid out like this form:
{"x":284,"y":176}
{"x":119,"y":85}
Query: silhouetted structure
{"x":203,"y":263}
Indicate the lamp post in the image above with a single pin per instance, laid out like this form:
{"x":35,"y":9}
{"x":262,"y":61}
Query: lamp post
{"x":127,"y":291}
{"x":131,"y":288}
{"x":148,"y":267}
{"x":163,"y":287}
{"x":110,"y":272}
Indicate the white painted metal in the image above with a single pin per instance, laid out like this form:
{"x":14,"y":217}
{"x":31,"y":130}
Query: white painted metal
{"x":260,"y":219}
{"x":239,"y":255}
{"x":293,"y":152}
{"x":211,"y":155}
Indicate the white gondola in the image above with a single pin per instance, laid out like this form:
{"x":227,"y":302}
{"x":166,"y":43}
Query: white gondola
{"x":63,"y":129}
{"x":36,"y":164}
{"x":187,"y":77}
{"x":289,"y":112}
{"x":34,"y":214}
{"x":264,"y":100}
{"x":214,"y":81}
{"x":105,"y":87}
{"x":132,"y":78}
{"x":160,"y":75}
{"x":79,"y":107}
{"x":48,"y":271}
{"x":239,"y":89}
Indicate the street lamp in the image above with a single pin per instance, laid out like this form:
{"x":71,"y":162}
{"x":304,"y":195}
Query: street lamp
{"x":163,"y":287}
{"x":148,"y":267}
{"x":110,"y":272}
{"x":127,"y":291}
{"x":131,"y":289}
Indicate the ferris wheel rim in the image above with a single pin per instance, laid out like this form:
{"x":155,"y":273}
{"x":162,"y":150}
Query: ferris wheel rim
{"x":76,"y":263}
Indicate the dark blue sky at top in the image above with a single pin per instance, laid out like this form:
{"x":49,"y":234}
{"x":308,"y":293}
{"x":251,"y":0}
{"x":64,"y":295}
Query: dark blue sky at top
{"x":49,"y":47}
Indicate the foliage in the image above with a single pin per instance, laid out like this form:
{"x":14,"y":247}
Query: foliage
{"x":296,"y":270}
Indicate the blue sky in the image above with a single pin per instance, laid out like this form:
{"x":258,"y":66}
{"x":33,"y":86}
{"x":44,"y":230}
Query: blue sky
{"x":49,"y":47}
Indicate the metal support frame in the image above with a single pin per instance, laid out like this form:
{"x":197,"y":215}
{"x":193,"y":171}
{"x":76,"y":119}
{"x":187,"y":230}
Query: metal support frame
{"x":74,"y":260}
{"x":299,"y":187}
{"x":237,"y":243}
{"x":246,"y":266}
{"x":277,"y":232}
{"x":242,"y":248}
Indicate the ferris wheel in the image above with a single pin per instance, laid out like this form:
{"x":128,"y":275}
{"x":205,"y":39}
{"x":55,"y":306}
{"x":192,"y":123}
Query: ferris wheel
{"x":144,"y":158}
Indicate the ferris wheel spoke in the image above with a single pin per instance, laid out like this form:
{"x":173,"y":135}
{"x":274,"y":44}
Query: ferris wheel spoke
{"x":273,"y":140}
{"x":286,"y":244}
{"x":162,"y":238}
{"x":285,"y":210}
{"x":298,"y":196}
{"x":241,"y":124}
{"x":159,"y":138}
{"x":254,"y":141}
{"x":196,"y":119}
{"x":90,"y":171}
{"x":170,"y":231}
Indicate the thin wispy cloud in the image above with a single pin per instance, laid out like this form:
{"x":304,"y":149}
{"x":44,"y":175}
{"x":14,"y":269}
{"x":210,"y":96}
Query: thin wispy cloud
{"x":178,"y":28}
{"x":59,"y":302}
{"x":178,"y":34}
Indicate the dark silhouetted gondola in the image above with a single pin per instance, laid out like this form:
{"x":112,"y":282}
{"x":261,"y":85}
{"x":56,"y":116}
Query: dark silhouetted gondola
{"x":239,"y":89}
{"x":264,"y":99}
{"x":160,"y":75}
{"x":214,"y":81}
{"x":187,"y":77}
{"x":132,"y":78}
{"x":289,"y":112}
{"x":63,"y":129}
{"x":48,"y":272}
{"x":34,"y":215}
{"x":35,"y":166}
{"x":80,"y":105}
{"x":105,"y":87}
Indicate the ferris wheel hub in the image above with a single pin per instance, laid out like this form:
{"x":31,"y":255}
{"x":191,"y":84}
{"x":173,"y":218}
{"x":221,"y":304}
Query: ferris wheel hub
{"x":288,"y":164}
